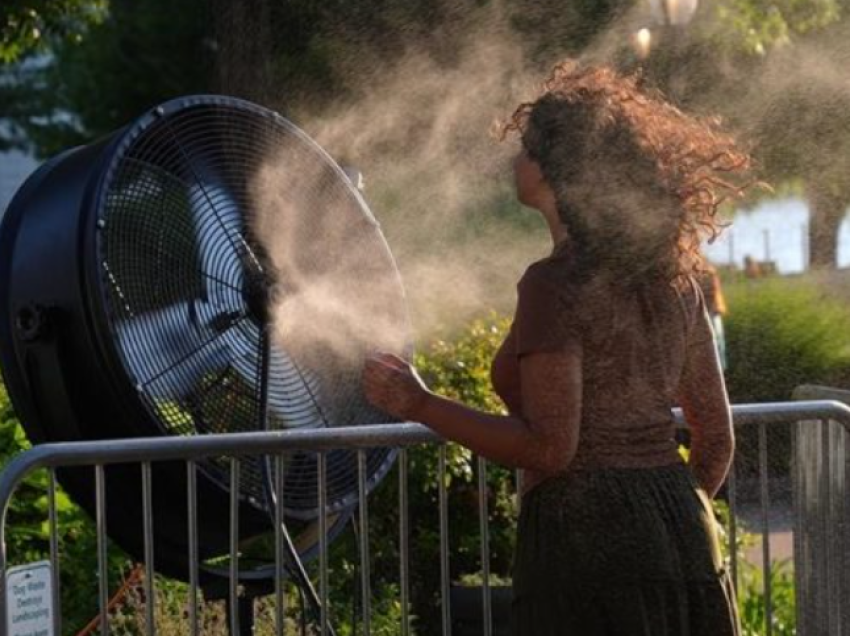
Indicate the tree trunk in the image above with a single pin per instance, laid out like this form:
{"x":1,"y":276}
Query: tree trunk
{"x":826,"y":213}
{"x":243,"y":37}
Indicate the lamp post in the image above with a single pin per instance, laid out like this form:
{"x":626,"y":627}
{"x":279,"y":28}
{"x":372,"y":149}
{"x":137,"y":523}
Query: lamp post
{"x":642,"y":43}
{"x":663,"y":15}
{"x":675,"y":13}
{"x":667,"y":20}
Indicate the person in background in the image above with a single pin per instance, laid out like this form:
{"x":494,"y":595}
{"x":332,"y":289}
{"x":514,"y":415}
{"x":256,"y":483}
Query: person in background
{"x":616,"y":534}
{"x":715,"y":304}
{"x":752,"y":269}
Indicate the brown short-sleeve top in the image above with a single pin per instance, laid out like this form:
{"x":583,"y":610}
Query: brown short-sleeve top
{"x":634,"y":346}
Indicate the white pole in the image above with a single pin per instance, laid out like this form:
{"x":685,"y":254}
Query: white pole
{"x":766,"y":234}
{"x":731,"y":248}
{"x":804,"y":245}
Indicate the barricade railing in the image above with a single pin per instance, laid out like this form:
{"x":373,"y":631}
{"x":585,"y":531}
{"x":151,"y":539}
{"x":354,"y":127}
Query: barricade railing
{"x":192,"y":450}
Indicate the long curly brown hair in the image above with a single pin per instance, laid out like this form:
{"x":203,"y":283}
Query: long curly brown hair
{"x":638,"y":183}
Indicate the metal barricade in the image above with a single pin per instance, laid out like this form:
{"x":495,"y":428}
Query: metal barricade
{"x":275,"y":444}
{"x":822,"y":543}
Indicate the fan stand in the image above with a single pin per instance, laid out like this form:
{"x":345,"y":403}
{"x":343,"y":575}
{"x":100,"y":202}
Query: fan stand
{"x":246,"y":616}
{"x":295,"y":565}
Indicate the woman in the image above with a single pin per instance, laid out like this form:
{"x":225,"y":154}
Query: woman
{"x":616,"y":534}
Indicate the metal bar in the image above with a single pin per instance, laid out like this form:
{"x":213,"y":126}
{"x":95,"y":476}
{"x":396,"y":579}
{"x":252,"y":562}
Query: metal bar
{"x":733,"y":525}
{"x":54,"y":550}
{"x":3,"y":555}
{"x":484,"y":533}
{"x":196,"y":447}
{"x":366,"y":436}
{"x":323,"y":544}
{"x":279,"y":591}
{"x":765,"y":528}
{"x":838,"y":468}
{"x":233,"y":595}
{"x":444,"y":543}
{"x":103,"y":572}
{"x":519,"y":475}
{"x":404,"y":540}
{"x":403,"y":435}
{"x":365,"y":578}
{"x":147,"y":516}
{"x":831,"y":619}
{"x":801,"y":567}
{"x":192,"y":505}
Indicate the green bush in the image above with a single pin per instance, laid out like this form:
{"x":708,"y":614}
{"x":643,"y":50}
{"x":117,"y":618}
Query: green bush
{"x":28,"y":530}
{"x":751,"y":605}
{"x":458,"y":368}
{"x":751,"y":600}
{"x":782,"y":334}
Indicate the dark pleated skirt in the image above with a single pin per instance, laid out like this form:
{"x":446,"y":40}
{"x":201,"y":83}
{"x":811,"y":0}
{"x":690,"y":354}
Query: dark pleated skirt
{"x":621,"y":552}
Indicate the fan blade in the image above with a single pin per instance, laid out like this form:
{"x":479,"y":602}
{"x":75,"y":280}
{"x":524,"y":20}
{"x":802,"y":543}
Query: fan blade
{"x":170,"y":340}
{"x":218,"y":221}
{"x":292,"y":393}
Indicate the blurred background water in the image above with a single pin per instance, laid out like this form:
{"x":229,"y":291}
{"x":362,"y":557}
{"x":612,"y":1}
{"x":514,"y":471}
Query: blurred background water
{"x":775,"y":230}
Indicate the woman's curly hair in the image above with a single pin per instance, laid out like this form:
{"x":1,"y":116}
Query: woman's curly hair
{"x":638,"y":183}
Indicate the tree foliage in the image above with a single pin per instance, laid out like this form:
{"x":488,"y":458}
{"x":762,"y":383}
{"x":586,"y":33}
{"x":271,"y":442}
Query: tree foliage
{"x":757,"y":26}
{"x":28,"y":530}
{"x":773,"y":68}
{"x":143,"y":53}
{"x":27,"y":26}
{"x":775,"y":71}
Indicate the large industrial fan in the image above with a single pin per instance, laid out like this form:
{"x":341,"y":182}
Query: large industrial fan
{"x":208,"y":268}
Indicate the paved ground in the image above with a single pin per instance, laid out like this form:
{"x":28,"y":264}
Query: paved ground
{"x":780,"y":521}
{"x":781,"y":536}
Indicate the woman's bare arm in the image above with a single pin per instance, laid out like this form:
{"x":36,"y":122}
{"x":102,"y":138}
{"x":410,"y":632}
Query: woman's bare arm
{"x":544,"y":439}
{"x":702,"y":393}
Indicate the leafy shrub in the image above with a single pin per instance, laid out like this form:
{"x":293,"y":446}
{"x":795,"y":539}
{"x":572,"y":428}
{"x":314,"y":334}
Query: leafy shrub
{"x":780,"y":335}
{"x":751,"y":601}
{"x":28,"y":530}
{"x":458,"y":368}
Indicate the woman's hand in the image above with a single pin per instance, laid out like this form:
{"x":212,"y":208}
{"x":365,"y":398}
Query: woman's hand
{"x":392,"y":384}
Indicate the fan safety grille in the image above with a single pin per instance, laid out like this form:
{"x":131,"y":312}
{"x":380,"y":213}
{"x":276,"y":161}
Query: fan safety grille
{"x":240,"y":269}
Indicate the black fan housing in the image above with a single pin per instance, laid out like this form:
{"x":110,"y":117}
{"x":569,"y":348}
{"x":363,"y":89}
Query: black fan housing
{"x":192,"y":273}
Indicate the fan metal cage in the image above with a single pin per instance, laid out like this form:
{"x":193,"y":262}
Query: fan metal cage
{"x":181,"y":248}
{"x":207,"y":269}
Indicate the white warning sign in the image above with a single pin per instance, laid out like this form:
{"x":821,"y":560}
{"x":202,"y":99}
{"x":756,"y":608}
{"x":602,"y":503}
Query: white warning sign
{"x":29,"y":600}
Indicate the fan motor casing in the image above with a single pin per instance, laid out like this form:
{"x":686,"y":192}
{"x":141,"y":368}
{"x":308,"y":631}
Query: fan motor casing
{"x":63,"y":374}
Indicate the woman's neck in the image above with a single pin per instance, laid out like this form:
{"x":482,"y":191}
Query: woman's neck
{"x":558,"y":232}
{"x":559,"y":235}
{"x":557,"y":229}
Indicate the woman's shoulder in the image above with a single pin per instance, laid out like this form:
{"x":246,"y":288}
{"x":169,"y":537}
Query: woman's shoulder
{"x":556,"y":270}
{"x":547,"y":286}
{"x":549,"y":310}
